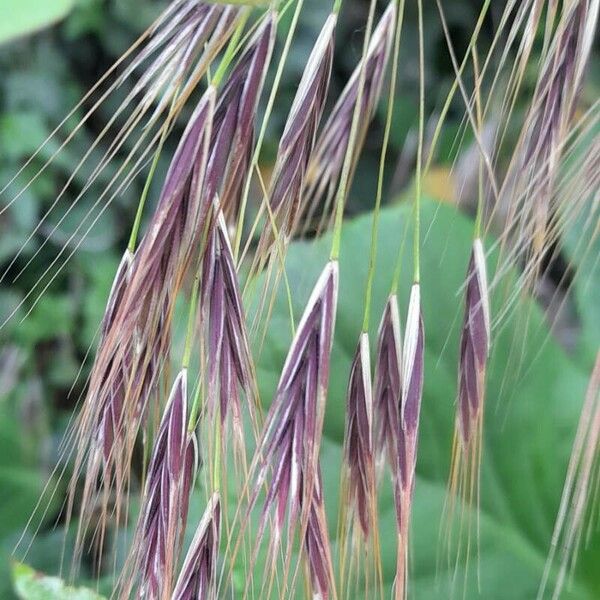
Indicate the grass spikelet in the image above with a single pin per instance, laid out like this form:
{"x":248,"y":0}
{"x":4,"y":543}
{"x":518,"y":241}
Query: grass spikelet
{"x":533,"y":173}
{"x":298,"y":138}
{"x":233,"y":127}
{"x":136,"y":337}
{"x":358,"y":478}
{"x":165,"y":501}
{"x":292,"y":433}
{"x":468,"y":430}
{"x":579,"y":499}
{"x":229,"y":359}
{"x":197,"y":577}
{"x":325,"y":167}
{"x":412,"y":392}
{"x":388,"y":386}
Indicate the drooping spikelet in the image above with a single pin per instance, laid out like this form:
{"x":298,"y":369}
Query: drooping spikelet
{"x":412,"y":392}
{"x":325,"y":167}
{"x":298,"y":138}
{"x":474,"y":345}
{"x":358,"y":440}
{"x":532,"y":215}
{"x":163,"y":514}
{"x":135,"y":340}
{"x":180,"y":47}
{"x":290,"y":445}
{"x":233,"y":129}
{"x":466,"y":449}
{"x":197,"y":577}
{"x":229,"y":361}
{"x":388,"y":386}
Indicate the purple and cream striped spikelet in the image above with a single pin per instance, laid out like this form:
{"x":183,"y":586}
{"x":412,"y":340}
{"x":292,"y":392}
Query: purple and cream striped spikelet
{"x":163,"y":513}
{"x":388,"y":386}
{"x":229,"y":361}
{"x":136,"y":337}
{"x":474,"y":346}
{"x":547,"y":127}
{"x":289,"y":449}
{"x":358,"y":444}
{"x":298,"y":138}
{"x":180,"y":47}
{"x":198,"y":574}
{"x":233,"y":130}
{"x":412,"y":392}
{"x":325,"y":167}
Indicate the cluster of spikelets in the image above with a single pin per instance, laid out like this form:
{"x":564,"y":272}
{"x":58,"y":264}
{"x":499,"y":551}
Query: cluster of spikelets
{"x":195,"y":235}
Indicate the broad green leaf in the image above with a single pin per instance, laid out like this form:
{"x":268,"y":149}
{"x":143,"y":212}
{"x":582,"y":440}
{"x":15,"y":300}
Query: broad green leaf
{"x":20,"y":17}
{"x":31,"y":585}
{"x":534,"y":394}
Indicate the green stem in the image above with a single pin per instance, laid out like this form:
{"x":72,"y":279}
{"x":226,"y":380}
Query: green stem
{"x":480,"y":197}
{"x":231,"y":49}
{"x":349,"y":156}
{"x":417,"y":205}
{"x":193,"y":419}
{"x":140,"y":209}
{"x":386,"y":138}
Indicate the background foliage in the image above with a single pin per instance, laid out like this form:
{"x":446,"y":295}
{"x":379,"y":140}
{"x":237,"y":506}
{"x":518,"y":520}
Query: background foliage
{"x":532,"y":415}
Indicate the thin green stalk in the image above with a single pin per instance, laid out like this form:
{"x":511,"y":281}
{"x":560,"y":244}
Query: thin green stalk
{"x":417,"y":204}
{"x":349,"y":156}
{"x":454,"y":87}
{"x":140,"y":209}
{"x":231,"y":50}
{"x":480,"y":197}
{"x":386,"y":138}
{"x":263,"y":129}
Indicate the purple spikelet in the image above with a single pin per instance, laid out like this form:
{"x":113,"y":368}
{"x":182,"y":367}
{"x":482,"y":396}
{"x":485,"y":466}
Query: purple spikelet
{"x":233,"y":128}
{"x":197,"y":577}
{"x":388,"y":385}
{"x":288,"y":451}
{"x":326,"y":162}
{"x":166,"y":496}
{"x":412,"y":392}
{"x":474,"y":345}
{"x":229,"y":359}
{"x":298,"y":139}
{"x":358,"y":444}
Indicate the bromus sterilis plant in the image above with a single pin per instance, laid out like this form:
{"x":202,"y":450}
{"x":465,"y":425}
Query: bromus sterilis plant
{"x":154,"y":455}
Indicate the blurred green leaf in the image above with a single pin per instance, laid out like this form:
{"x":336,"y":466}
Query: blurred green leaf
{"x":20,"y":17}
{"x":31,"y":585}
